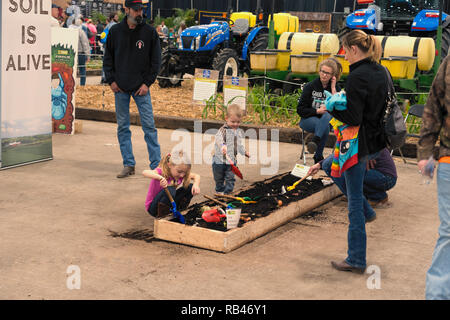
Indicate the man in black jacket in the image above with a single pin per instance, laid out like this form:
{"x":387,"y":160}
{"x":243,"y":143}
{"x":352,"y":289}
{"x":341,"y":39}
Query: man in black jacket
{"x":131,"y":64}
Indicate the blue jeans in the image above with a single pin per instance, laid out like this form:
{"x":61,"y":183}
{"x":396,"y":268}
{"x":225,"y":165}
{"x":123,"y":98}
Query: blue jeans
{"x":224,"y":177}
{"x":438,"y":276}
{"x":320,"y":127}
{"x":351,"y":184}
{"x":82,"y":68}
{"x":376,"y":184}
{"x":144,"y":104}
{"x":181,"y":196}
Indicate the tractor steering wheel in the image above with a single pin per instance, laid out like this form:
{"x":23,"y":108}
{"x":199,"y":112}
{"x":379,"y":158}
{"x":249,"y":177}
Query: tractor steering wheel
{"x":230,"y":22}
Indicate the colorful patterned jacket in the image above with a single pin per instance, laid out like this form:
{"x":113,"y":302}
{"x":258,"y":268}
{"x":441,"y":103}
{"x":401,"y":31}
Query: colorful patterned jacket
{"x":436,"y":118}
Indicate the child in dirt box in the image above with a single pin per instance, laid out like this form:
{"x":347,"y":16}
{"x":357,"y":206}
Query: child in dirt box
{"x":173,"y":173}
{"x":228,"y":144}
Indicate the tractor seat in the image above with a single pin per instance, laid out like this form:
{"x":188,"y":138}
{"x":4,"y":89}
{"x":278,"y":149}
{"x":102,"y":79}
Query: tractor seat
{"x":240,"y":27}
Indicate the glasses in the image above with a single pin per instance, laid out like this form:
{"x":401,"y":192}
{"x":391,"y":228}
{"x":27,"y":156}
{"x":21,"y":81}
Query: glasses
{"x":326,"y":73}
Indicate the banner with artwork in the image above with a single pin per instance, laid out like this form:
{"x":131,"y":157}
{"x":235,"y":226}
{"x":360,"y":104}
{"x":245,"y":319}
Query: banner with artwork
{"x":64,"y":68}
{"x":25,"y":119}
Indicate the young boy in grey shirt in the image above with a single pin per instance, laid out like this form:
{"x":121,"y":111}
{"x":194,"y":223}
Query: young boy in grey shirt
{"x":228,"y":143}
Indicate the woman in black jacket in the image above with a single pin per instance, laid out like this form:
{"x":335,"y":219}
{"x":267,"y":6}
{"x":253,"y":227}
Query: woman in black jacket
{"x":311,"y":108}
{"x":366,"y":90}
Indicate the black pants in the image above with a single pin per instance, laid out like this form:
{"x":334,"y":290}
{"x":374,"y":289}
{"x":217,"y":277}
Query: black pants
{"x":181,"y":196}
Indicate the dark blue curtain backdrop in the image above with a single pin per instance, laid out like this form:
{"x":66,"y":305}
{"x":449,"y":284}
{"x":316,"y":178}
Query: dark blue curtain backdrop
{"x":250,"y":5}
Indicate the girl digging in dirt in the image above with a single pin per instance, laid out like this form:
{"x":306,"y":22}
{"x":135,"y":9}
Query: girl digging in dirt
{"x":173,"y":173}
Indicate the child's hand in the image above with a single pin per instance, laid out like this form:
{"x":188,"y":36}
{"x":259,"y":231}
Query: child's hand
{"x":247,"y":154}
{"x":163,"y":183}
{"x":195,"y":190}
{"x":333,"y":85}
{"x":224,"y":149}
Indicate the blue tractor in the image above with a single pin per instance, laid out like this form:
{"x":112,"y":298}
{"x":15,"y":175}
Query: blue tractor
{"x":416,"y":18}
{"x":221,"y":45}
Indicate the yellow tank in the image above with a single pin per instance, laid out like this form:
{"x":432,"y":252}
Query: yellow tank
{"x":283,"y":58}
{"x":294,"y":25}
{"x":284,"y":22}
{"x":301,"y":42}
{"x":244,"y":15}
{"x":422,"y":48}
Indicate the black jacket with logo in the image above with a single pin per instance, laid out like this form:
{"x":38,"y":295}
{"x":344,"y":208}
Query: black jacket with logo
{"x":366,"y":89}
{"x":312,"y":97}
{"x":132,"y":56}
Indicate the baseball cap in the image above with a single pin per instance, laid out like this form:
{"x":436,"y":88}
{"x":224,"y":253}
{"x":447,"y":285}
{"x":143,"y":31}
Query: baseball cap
{"x":133,"y":4}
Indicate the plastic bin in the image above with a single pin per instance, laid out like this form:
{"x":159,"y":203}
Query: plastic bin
{"x":397,"y":66}
{"x":283,"y":58}
{"x":304,"y":63}
{"x":320,"y":57}
{"x":263,"y":60}
{"x":412,"y":66}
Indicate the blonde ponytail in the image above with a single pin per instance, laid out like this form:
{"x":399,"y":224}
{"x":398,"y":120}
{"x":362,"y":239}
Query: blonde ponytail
{"x":365,"y":42}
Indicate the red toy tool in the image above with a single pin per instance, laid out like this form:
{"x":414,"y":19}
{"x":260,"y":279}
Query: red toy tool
{"x":235,"y":169}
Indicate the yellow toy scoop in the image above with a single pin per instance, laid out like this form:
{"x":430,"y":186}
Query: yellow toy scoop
{"x":290,"y":188}
{"x":244,"y":200}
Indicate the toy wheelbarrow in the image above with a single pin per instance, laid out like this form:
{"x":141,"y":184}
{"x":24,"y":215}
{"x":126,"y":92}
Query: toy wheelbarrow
{"x":244,"y":200}
{"x":174,"y":210}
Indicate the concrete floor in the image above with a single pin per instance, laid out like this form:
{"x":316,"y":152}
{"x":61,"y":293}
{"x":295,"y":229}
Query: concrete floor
{"x":63,"y":213}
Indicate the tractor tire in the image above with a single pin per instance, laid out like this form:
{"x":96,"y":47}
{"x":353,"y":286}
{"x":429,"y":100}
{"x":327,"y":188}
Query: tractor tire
{"x":260,"y":43}
{"x":445,"y":38}
{"x":227,"y":63}
{"x":168,"y":64}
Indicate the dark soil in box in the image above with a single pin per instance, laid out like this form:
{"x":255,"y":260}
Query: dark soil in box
{"x":267,"y":193}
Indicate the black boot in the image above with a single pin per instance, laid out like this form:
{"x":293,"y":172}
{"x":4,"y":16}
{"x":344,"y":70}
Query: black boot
{"x":312,"y":145}
{"x":126,"y":171}
{"x":317,"y":159}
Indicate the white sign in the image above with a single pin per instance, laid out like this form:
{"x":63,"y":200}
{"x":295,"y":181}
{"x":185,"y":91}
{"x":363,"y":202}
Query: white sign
{"x":233,"y":216}
{"x":25,"y":119}
{"x":300,"y":170}
{"x":205,"y":85}
{"x":235,"y":91}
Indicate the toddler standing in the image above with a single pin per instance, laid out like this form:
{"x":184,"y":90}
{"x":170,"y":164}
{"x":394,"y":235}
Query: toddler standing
{"x":228,"y":143}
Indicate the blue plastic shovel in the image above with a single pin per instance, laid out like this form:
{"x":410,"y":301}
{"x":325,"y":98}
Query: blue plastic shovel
{"x":174,"y":210}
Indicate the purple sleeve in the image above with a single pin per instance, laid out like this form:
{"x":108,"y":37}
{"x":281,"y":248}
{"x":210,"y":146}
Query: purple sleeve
{"x":385,"y":164}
